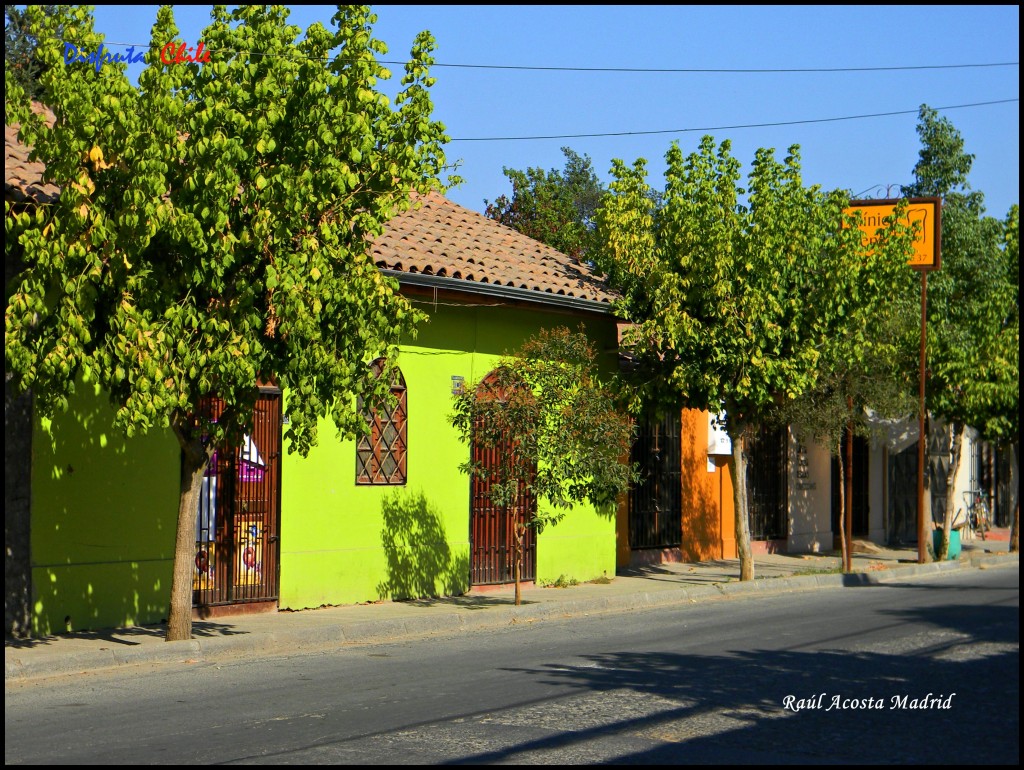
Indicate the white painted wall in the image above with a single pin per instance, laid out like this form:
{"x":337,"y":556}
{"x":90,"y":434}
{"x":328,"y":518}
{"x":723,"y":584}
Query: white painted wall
{"x":810,"y":489}
{"x":962,"y":480}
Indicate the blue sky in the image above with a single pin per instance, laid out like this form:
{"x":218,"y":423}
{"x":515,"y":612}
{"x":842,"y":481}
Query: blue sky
{"x":862,"y":155}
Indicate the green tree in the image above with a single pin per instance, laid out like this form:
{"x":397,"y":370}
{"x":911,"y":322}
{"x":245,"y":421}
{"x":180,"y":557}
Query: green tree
{"x":558,"y":436}
{"x":867,"y":371}
{"x":733,"y":305}
{"x":19,"y":48}
{"x":212,"y":230}
{"x":1007,"y":375}
{"x":973,"y":326}
{"x":554,"y":207}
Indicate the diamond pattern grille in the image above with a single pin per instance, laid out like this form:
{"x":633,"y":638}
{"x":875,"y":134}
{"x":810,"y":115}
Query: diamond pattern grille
{"x":381,"y":455}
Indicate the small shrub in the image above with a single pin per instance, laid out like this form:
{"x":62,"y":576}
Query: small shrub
{"x":563,"y":582}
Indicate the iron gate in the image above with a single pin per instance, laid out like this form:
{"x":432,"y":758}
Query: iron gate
{"x":767,"y":484}
{"x":492,"y":527}
{"x":237,"y":553}
{"x":655,"y":502}
{"x":860,"y":487}
{"x":903,"y":496}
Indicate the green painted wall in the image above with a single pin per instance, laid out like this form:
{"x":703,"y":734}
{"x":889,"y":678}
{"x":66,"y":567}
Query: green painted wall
{"x":104,"y":507}
{"x":104,"y":512}
{"x":342,"y":543}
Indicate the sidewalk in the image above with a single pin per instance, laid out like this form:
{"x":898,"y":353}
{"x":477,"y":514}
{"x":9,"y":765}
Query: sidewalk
{"x":308,"y":630}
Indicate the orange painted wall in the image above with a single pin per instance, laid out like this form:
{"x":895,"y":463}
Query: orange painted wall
{"x":709,"y":525}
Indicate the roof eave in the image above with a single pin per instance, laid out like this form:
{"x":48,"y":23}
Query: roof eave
{"x":560,"y":301}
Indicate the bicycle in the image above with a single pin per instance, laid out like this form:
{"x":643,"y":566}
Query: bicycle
{"x":977,"y":519}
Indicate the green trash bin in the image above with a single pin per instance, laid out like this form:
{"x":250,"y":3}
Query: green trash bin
{"x":954,"y":543}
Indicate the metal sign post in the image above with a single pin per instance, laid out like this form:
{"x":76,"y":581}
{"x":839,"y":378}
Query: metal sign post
{"x":922,"y":530}
{"x":926,"y":213}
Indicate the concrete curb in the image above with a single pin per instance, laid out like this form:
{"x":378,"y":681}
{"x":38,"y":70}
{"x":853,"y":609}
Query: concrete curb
{"x":20,"y":668}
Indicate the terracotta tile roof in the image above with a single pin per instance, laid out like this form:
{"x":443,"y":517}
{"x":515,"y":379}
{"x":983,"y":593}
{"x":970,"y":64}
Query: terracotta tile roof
{"x":444,"y":239}
{"x":23,"y":179}
{"x":439,"y":238}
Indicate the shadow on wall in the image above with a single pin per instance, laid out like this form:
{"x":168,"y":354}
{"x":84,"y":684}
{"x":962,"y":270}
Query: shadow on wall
{"x":97,"y":597}
{"x":17,"y":512}
{"x":104,"y":514}
{"x":607,"y":511}
{"x":420,"y":561}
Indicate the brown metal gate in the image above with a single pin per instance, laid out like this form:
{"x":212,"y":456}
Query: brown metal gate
{"x":861,"y":490}
{"x":492,"y":527}
{"x":903,"y":496}
{"x":237,"y":553}
{"x":656,"y":501}
{"x":767,"y":482}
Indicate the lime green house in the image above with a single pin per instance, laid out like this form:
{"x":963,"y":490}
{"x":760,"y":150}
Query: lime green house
{"x":91,"y":525}
{"x":393,"y":517}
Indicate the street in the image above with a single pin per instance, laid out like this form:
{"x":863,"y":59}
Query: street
{"x":923,"y":671}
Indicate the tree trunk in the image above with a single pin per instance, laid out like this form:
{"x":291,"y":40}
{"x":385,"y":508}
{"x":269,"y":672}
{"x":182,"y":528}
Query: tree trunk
{"x":848,"y":497}
{"x":926,"y":507}
{"x":739,"y":485}
{"x":957,"y":430}
{"x":517,"y":560}
{"x":844,"y":546}
{"x":1014,"y":499}
{"x":193,"y":466}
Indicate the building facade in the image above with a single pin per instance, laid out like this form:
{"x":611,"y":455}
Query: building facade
{"x":387,"y":517}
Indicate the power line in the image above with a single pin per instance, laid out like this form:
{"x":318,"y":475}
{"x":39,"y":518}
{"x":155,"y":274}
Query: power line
{"x":723,"y":128}
{"x":641,"y":70}
{"x":664,"y":70}
{"x":711,"y":70}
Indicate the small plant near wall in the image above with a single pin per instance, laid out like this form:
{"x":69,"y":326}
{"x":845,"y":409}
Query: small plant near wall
{"x":563,"y":581}
{"x":551,"y":431}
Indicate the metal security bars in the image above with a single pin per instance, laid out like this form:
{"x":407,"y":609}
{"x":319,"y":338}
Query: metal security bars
{"x":860,"y":487}
{"x":381,"y":455}
{"x":237,"y":553}
{"x":655,"y":502}
{"x":767,"y":484}
{"x":492,"y":527}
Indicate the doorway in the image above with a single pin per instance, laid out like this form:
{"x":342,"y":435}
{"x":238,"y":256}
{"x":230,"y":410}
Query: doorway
{"x":491,"y":526}
{"x":655,"y":502}
{"x":767,"y":484}
{"x":237,"y":543}
{"x":861,"y":489}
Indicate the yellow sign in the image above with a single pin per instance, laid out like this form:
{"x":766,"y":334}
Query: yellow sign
{"x":924,"y":212}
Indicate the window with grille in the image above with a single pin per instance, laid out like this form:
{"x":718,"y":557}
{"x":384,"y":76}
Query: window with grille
{"x":381,"y":455}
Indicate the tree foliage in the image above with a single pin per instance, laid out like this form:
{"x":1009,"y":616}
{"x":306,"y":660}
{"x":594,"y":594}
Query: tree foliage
{"x":212,"y":229}
{"x":738,"y":305}
{"x":556,"y":432}
{"x":973,"y":315}
{"x":867,"y":373}
{"x":973,"y":311}
{"x":20,"y":46}
{"x":554,"y":207}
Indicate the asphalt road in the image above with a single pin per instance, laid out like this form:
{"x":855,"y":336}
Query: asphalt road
{"x":920,"y":672}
